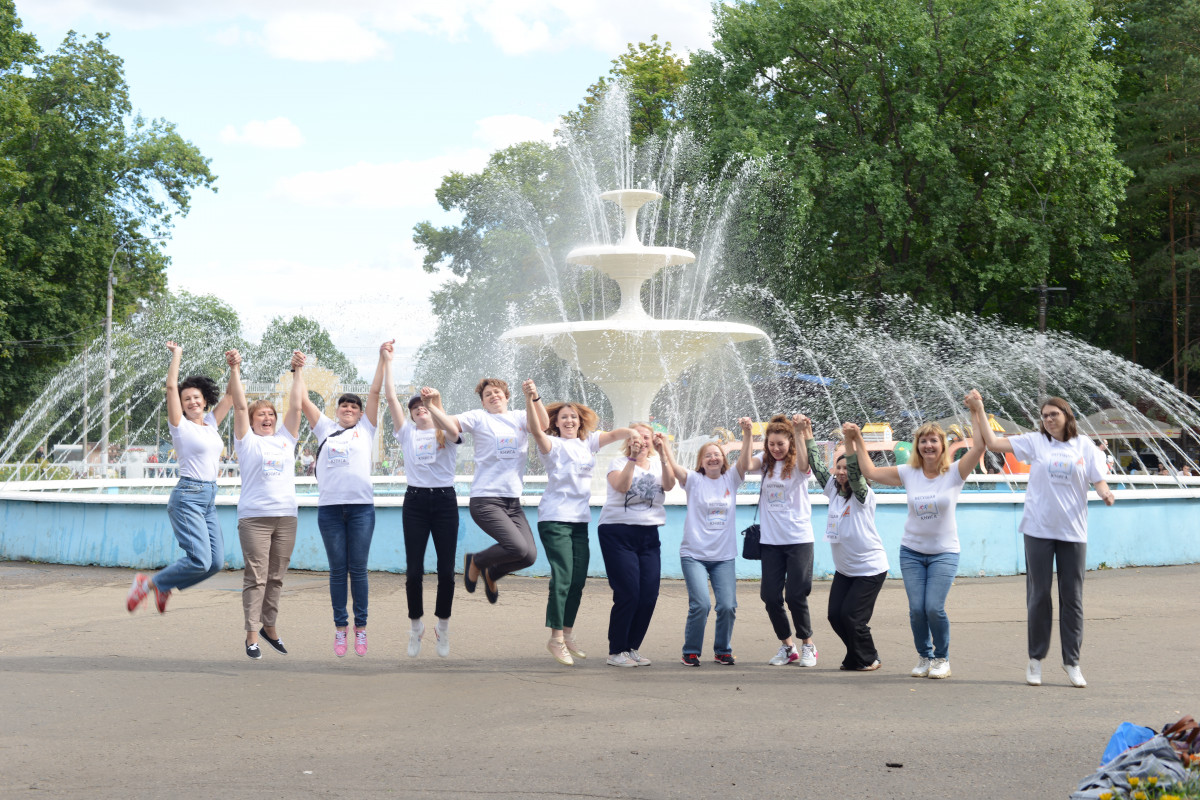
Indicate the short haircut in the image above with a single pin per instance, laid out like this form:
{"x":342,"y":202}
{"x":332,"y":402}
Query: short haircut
{"x":256,"y":405}
{"x":351,"y":397}
{"x":502,"y":385}
{"x":206,"y":386}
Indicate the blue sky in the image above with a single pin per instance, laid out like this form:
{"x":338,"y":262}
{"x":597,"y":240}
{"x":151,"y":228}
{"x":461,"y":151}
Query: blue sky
{"x":330,"y":125}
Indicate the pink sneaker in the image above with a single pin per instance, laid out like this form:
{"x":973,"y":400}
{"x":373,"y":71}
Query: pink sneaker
{"x":137,"y":592}
{"x":339,"y":643}
{"x":160,"y":599}
{"x":360,"y":641}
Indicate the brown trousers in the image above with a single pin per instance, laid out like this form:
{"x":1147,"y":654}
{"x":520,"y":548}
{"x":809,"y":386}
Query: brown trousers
{"x":267,"y":544}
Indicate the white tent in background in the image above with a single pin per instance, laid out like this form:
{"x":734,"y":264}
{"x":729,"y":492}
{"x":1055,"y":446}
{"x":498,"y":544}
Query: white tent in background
{"x":1113,"y":423}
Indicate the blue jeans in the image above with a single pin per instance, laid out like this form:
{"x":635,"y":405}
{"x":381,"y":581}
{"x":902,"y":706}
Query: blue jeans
{"x":697,"y":574}
{"x":346,"y":530}
{"x":192,"y":510}
{"x":927,"y":581}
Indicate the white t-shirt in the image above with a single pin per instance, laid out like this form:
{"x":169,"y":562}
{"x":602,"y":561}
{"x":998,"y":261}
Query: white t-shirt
{"x":426,"y":465}
{"x":642,"y":504}
{"x":268,"y":474}
{"x":850,"y":530}
{"x":501,"y":448}
{"x":710,"y":528}
{"x":784,"y":510}
{"x":569,"y":466}
{"x":344,"y":466}
{"x":930,"y":527}
{"x":1059,"y":474}
{"x":197,"y":448}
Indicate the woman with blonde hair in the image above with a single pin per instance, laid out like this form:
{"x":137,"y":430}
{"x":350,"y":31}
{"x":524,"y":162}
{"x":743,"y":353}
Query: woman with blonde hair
{"x":628,"y":534}
{"x":786,"y":534}
{"x":709,"y":548}
{"x":567,"y":449}
{"x":267,"y":504}
{"x":929,"y":549}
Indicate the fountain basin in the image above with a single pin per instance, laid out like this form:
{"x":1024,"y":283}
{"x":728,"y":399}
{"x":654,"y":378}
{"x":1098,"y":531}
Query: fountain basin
{"x":133,"y":530}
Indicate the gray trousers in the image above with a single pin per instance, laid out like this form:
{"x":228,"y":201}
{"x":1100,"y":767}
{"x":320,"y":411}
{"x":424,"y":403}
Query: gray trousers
{"x":1041,"y":558}
{"x":503,"y":519}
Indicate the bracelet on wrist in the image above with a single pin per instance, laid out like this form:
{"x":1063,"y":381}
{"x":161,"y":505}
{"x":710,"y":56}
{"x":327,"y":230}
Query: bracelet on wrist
{"x":537,"y":399}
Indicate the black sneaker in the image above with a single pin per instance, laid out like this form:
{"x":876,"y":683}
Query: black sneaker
{"x":725,"y":658}
{"x":253,"y":651}
{"x":275,"y":643}
{"x":690,"y":660}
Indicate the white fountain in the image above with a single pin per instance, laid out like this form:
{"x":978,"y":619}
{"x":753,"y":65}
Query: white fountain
{"x":631,"y":355}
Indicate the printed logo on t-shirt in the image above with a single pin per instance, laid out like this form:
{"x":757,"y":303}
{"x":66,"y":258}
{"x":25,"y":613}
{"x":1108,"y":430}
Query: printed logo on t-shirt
{"x":718,"y":512}
{"x":925,"y":506}
{"x":832,"y":523}
{"x":506,"y":446}
{"x":584,"y":468}
{"x":1060,"y":468}
{"x":642,"y":491}
{"x":272,"y":466}
{"x":339,"y":451}
{"x":775,"y":495}
{"x":426,"y":447}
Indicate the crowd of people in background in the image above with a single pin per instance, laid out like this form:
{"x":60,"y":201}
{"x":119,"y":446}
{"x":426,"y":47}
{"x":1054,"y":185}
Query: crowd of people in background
{"x":566,"y":437}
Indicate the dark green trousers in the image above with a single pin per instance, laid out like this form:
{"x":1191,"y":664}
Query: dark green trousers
{"x":566,"y":547}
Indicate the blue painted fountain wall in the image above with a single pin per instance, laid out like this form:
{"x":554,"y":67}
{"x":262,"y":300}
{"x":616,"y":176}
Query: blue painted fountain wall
{"x":1144,"y":528}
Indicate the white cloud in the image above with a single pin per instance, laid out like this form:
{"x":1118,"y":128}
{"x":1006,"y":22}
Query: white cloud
{"x":503,"y":130}
{"x":401,"y":184}
{"x":276,"y":133}
{"x":322,"y":37}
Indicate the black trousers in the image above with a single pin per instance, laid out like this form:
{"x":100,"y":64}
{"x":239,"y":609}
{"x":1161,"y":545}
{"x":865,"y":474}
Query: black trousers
{"x":787,"y":578}
{"x":633,"y":563}
{"x":851,"y":604}
{"x":426,"y":513}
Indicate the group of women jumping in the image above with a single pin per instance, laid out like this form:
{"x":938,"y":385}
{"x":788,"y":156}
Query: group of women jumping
{"x":566,"y":438}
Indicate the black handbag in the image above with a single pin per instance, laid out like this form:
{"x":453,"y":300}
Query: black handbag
{"x":752,"y":544}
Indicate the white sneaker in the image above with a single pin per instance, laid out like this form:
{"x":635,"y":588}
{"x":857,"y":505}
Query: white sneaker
{"x":559,"y":650}
{"x":939,"y":668}
{"x":574,"y":649}
{"x":638,"y":658}
{"x":414,"y":641}
{"x":1033,"y":672}
{"x":443,"y":642}
{"x":921,"y":670}
{"x":808,"y":655}
{"x":1074,"y":675}
{"x":786,"y":655}
{"x":621,"y":660}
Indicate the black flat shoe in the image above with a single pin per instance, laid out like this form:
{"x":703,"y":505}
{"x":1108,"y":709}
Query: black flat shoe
{"x":253,"y":651}
{"x":490,"y":588}
{"x":276,"y":643}
{"x":467,"y":582}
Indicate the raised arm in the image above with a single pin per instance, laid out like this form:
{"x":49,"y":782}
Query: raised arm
{"x":616,"y":435}
{"x":662,"y":445}
{"x":174,"y":406}
{"x":971,"y":458}
{"x":396,"y":409}
{"x":537,"y":429}
{"x":299,"y":393}
{"x":997,"y":444}
{"x":621,"y":479}
{"x":224,"y":404}
{"x":801,"y":451}
{"x":746,"y":462}
{"x":856,"y":451}
{"x":808,"y":444}
{"x":433,"y":401}
{"x":237,"y":395}
{"x":678,"y":473}
{"x":543,"y":418}
{"x":371,"y":412}
{"x":888,"y":476}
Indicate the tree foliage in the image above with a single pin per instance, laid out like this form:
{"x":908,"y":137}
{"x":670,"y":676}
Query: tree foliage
{"x":954,"y":151}
{"x":273,"y":354}
{"x":83,"y":179}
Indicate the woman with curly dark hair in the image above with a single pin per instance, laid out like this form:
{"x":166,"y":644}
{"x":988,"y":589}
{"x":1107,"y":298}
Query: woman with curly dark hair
{"x":192,"y":507}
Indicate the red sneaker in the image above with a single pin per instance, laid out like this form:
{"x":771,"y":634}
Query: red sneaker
{"x":160,"y":599}
{"x":137,"y":592}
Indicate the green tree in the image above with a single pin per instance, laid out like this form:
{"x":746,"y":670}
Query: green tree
{"x":83,"y":177}
{"x":274,"y":353}
{"x":654,"y":76}
{"x":954,"y":151}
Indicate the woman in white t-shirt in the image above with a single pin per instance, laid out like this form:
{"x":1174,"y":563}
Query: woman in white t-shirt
{"x":267,"y":505}
{"x":501,"y":441}
{"x":430,"y":508}
{"x":709,"y":549}
{"x":628,"y":535}
{"x":192,"y":507}
{"x":1061,"y":465}
{"x":929,"y":549}
{"x":567,"y":449}
{"x":346,"y":502}
{"x":785,"y":515}
{"x":860,"y":563}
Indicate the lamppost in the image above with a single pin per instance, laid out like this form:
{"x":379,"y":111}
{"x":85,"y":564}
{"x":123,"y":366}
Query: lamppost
{"x":105,"y":420}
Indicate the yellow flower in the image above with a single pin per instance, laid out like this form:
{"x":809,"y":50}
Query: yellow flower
{"x":1153,"y":780}
{"x":1106,"y":796}
{"x":1169,"y":797}
{"x":1139,"y":796}
{"x":1134,"y":780}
